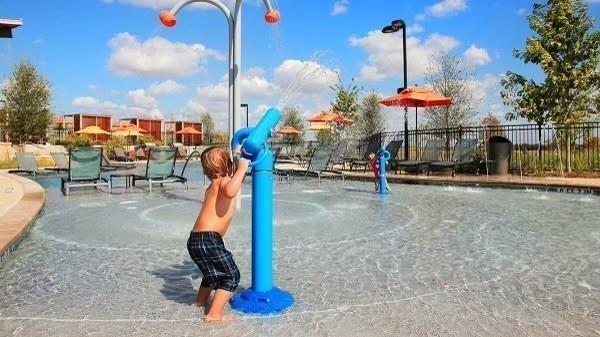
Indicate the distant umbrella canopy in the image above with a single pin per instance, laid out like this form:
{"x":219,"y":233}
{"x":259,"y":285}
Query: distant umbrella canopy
{"x":188,"y":131}
{"x":288,"y":130}
{"x":329,"y":117}
{"x":92,"y":130}
{"x":320,"y":127}
{"x":417,"y":97}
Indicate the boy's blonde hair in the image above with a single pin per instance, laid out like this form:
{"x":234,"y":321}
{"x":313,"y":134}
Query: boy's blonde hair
{"x":372,"y":156}
{"x":216,"y":162}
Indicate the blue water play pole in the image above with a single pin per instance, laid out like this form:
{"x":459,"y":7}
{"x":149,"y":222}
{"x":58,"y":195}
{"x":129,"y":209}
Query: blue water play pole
{"x":262,"y":297}
{"x":384,"y":156}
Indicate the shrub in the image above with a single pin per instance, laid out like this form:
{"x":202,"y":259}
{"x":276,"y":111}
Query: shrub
{"x":110,"y":145}
{"x":76,"y":140}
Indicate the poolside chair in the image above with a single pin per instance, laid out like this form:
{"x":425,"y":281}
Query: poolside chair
{"x":372,"y":147}
{"x":181,"y":152}
{"x":464,"y":153}
{"x":160,"y":168}
{"x":139,"y":153}
{"x":318,"y":164}
{"x":108,"y":165}
{"x":342,"y":154}
{"x":393,"y":148}
{"x":84,"y":169}
{"x":303,"y":154}
{"x":61,"y":162}
{"x":431,"y":153}
{"x":120,"y":155}
{"x":27,"y":164}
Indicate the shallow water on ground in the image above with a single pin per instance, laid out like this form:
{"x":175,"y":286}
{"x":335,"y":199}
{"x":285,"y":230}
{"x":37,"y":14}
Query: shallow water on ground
{"x":424,"y":261}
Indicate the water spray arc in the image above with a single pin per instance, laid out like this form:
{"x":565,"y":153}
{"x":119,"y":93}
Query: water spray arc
{"x":234,"y":21}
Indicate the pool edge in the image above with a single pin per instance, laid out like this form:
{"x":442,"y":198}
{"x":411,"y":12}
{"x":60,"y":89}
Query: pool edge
{"x":16,"y":221}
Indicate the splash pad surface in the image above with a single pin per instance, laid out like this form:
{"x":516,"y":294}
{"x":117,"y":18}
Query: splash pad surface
{"x":424,"y":260}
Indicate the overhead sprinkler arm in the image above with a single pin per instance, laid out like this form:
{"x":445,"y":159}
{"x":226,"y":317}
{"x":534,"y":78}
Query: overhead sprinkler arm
{"x":168,"y":17}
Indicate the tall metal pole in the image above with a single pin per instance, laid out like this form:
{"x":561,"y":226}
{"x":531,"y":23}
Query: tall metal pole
{"x":405,"y":86}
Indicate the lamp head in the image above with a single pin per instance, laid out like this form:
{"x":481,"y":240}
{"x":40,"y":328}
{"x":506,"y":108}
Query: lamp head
{"x":398,"y":24}
{"x":272,"y":16}
{"x":388,"y":29}
{"x":167,"y":19}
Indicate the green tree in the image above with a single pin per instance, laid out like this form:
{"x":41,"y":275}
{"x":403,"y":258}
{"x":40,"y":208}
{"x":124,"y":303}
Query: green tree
{"x":370,"y":119}
{"x":346,"y":103}
{"x":292,"y":116}
{"x":449,"y":76}
{"x":27,"y":96}
{"x":566,"y":46}
{"x":208,"y":127}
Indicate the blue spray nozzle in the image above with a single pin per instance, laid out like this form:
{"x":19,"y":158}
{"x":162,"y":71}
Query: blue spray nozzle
{"x":253,"y":140}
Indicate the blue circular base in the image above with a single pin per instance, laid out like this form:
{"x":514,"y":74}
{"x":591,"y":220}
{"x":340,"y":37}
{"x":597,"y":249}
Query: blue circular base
{"x":259,"y":302}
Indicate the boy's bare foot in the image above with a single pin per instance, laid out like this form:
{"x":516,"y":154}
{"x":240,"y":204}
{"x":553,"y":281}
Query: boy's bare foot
{"x":218,"y":318}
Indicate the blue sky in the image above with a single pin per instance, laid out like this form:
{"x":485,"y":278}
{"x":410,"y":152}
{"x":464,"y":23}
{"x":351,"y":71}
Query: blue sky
{"x":113,"y":56}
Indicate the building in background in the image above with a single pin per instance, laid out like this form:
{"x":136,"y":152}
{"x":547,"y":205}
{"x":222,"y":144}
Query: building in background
{"x":153,"y":126}
{"x":81,"y":121}
{"x":171,"y":128}
{"x":7,"y":25}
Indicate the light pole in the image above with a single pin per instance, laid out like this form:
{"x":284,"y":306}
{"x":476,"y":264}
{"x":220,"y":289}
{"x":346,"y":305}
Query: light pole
{"x":245,"y":106}
{"x":393,"y":28}
{"x":234,"y":21}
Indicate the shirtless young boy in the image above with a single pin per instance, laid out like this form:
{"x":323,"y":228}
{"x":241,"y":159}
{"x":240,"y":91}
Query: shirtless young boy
{"x":205,"y":245}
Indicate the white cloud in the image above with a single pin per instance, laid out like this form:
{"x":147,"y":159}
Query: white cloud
{"x":415,"y":28}
{"x":140,"y":98}
{"x":157,"y":57}
{"x":92,"y":105}
{"x":340,"y":7}
{"x":443,"y":8}
{"x":386,"y":56}
{"x":304,"y":77}
{"x":477,"y":56}
{"x":214,"y":98}
{"x":165,"y":88}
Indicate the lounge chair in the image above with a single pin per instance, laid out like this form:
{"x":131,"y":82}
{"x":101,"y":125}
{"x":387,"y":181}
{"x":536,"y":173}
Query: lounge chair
{"x":393,"y":148}
{"x":160,"y":168}
{"x":303,"y":154}
{"x":61,"y":162}
{"x":120,"y":155}
{"x":342,"y":154}
{"x":372,"y":147}
{"x":464,"y":153}
{"x":84,"y":169}
{"x":318,"y":164}
{"x":27,"y":164}
{"x":431,"y":153}
{"x":181,"y":152}
{"x":108,"y":165}
{"x":139,"y":154}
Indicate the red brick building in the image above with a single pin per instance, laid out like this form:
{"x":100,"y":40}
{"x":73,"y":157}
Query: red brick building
{"x":81,"y":121}
{"x":171,"y":127}
{"x":153,"y":126}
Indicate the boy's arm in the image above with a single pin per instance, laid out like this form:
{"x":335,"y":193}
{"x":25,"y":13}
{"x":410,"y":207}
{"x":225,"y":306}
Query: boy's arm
{"x":233,"y":186}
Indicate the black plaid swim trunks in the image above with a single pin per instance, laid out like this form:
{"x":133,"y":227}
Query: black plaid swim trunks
{"x":219,"y":271}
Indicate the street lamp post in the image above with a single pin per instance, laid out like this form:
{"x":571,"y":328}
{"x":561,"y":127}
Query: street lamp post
{"x":245,"y":106}
{"x":234,"y":21}
{"x":393,"y":28}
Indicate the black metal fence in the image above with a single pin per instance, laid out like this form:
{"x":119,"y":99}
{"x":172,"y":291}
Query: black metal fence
{"x":536,"y":148}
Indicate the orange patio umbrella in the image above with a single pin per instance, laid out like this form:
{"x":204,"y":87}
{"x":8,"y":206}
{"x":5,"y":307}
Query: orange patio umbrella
{"x":329,"y":117}
{"x":188,"y":130}
{"x":416,"y":97}
{"x":288,"y":130}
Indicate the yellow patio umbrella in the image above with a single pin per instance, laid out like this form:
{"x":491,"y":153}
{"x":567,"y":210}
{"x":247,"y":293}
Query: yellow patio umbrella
{"x":127,"y":133}
{"x":93,"y":130}
{"x":320,"y":127}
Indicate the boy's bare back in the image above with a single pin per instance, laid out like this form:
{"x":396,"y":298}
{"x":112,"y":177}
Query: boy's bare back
{"x":217,"y":210}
